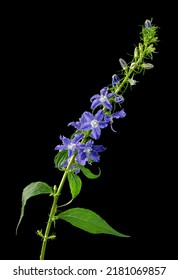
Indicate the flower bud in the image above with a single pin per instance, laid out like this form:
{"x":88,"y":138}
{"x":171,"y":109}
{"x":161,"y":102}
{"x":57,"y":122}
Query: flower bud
{"x":148,"y":23}
{"x":140,"y":47}
{"x":115,"y":80}
{"x":132,"y":65}
{"x":151,"y":48}
{"x":132,"y":82}
{"x":123,"y":63}
{"x":147,"y":65}
{"x":136,"y":53}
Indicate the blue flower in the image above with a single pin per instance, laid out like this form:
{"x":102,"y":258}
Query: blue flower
{"x":116,"y":115}
{"x":88,"y":152}
{"x":94,"y":123}
{"x":115,"y":80}
{"x":71,"y":145}
{"x":101,"y":99}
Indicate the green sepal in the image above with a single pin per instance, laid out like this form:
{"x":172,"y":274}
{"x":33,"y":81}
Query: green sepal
{"x":32,"y":190}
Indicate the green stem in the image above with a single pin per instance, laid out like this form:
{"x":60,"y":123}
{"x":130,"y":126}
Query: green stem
{"x":53,"y":210}
{"x":131,"y":70}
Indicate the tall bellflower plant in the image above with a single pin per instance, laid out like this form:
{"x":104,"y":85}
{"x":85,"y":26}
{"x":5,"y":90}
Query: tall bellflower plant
{"x":76,"y":154}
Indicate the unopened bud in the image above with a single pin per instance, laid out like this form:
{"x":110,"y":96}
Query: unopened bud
{"x":132,"y":65}
{"x":115,"y":80}
{"x":123,"y":63}
{"x":148,"y":23}
{"x":147,"y":65}
{"x":151,"y":48}
{"x":140,"y":47}
{"x":136,"y":53}
{"x":132,"y":82}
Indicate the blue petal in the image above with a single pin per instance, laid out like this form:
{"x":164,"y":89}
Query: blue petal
{"x":122,"y":113}
{"x":104,"y":91}
{"x":86,"y":126}
{"x":110,"y":94}
{"x":96,"y":96}
{"x":83,"y":119}
{"x":116,"y":115}
{"x":77,"y":125}
{"x":94,"y":156}
{"x":99,"y":115}
{"x":103,"y":124}
{"x":88,"y":116}
{"x":59,"y":147}
{"x":70,"y":153}
{"x":107,"y":104}
{"x":96,"y":132}
{"x":98,"y":148}
{"x":66,"y":141}
{"x":89,"y":144}
{"x":77,"y":138}
{"x":107,"y":118}
{"x":95,"y":103}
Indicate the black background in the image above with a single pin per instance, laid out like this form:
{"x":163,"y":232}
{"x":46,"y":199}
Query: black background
{"x":56,"y":58}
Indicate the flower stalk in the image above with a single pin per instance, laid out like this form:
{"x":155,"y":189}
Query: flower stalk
{"x":80,"y":149}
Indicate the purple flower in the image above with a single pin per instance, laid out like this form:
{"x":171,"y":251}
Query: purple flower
{"x":101,"y":99}
{"x":71,"y":145}
{"x":94,"y":123}
{"x":89,"y":151}
{"x":115,"y":80}
{"x":116,"y":115}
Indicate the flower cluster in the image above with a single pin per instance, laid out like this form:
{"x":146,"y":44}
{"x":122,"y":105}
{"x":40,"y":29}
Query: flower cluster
{"x":89,"y":127}
{"x":108,"y":104}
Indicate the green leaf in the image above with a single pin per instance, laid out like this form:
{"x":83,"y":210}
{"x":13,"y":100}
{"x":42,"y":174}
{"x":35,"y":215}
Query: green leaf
{"x":60,"y":158}
{"x":32,"y":190}
{"x":75,"y":184}
{"x":88,"y":173}
{"x":89,"y":221}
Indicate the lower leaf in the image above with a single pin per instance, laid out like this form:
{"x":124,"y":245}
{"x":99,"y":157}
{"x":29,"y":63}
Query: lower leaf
{"x":89,"y":221}
{"x":32,"y":190}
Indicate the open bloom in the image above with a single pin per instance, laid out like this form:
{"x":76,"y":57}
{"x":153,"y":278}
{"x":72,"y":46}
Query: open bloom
{"x":88,"y":152}
{"x":94,"y":123}
{"x":101,"y":99}
{"x":116,"y":115}
{"x":71,"y":145}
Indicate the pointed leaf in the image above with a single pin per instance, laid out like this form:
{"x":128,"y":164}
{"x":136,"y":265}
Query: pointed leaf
{"x":60,"y":158}
{"x":32,"y":190}
{"x":88,"y":173}
{"x":89,"y":221}
{"x":75,"y":184}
